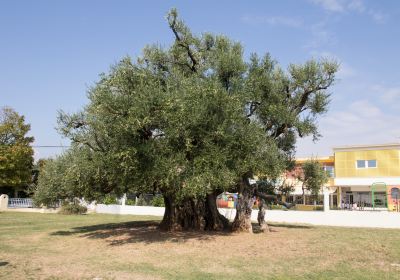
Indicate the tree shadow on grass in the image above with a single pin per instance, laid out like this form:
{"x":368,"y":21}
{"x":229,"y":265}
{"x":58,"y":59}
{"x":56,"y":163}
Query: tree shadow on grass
{"x":274,"y":227}
{"x":278,"y":225}
{"x":137,"y":231}
{"x":3,"y":263}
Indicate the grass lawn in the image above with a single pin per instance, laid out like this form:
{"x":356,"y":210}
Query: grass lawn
{"x":53,"y":246}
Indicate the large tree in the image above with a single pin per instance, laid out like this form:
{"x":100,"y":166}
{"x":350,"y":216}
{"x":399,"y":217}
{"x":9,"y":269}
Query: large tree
{"x":16,"y":153}
{"x":195,"y":119}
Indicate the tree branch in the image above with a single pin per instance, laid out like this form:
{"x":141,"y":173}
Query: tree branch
{"x":253,"y":108}
{"x":272,"y":198}
{"x":327,"y":83}
{"x":84,"y":142}
{"x":96,"y":139}
{"x":301,"y":106}
{"x":181,"y":43}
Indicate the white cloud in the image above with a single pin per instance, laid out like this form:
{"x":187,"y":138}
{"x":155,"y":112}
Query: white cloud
{"x":273,"y":20}
{"x":320,"y":37}
{"x":341,"y":5}
{"x":361,"y":122}
{"x":358,"y":6}
{"x":345,"y":71}
{"x":377,"y":16}
{"x":365,"y":110}
{"x":330,"y":5}
{"x":388,"y":95}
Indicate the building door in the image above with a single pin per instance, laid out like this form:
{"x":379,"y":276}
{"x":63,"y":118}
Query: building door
{"x":363,"y":200}
{"x":348,"y":200}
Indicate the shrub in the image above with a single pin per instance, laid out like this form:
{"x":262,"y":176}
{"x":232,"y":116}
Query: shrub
{"x":276,"y":207}
{"x":130,"y":202}
{"x":144,"y":200}
{"x":158,"y":201}
{"x":319,"y":208}
{"x":141,"y":201}
{"x":302,"y":207}
{"x":109,"y":199}
{"x":73,"y":209}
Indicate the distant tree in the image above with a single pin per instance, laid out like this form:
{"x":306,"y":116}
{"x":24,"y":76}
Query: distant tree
{"x":285,"y":188}
{"x":16,"y":153}
{"x":51,"y":186}
{"x":36,"y":169}
{"x":313,"y":177}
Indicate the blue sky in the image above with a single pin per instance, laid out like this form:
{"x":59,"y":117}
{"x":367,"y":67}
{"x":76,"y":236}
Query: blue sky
{"x":52,"y":51}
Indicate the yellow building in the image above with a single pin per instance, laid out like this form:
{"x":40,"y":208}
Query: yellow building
{"x":362,"y":177}
{"x":367,"y":176}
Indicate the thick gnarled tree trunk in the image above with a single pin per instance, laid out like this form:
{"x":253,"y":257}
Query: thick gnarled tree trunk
{"x":169,"y":221}
{"x":244,"y":207}
{"x":184,"y":215}
{"x":261,"y":217}
{"x":214,"y":220}
{"x":193,"y":214}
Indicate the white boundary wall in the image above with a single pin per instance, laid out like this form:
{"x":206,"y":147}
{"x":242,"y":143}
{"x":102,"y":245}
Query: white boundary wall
{"x":129,"y":210}
{"x":34,"y":210}
{"x":330,"y":218}
{"x":373,"y":219}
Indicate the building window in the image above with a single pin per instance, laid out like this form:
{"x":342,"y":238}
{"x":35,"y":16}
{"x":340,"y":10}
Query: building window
{"x":366,"y":163}
{"x":330,"y":170}
{"x":360,"y":163}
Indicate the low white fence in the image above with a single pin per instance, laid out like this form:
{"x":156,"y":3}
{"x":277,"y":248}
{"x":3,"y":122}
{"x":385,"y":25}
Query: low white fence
{"x":28,"y":203}
{"x":20,"y":203}
{"x":329,"y":218}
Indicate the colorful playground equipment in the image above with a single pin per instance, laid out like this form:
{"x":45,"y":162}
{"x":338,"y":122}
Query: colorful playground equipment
{"x":375,"y":187}
{"x":227,"y":200}
{"x":393,"y":198}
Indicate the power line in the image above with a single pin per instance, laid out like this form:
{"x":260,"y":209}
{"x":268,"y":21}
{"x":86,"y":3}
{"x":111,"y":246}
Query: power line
{"x":38,"y":146}
{"x":49,"y":146}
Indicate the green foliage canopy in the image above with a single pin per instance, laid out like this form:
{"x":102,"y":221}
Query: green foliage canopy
{"x":313,"y":176}
{"x":16,"y":154}
{"x":193,"y":118}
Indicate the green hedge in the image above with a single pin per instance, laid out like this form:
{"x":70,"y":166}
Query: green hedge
{"x":73,"y":209}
